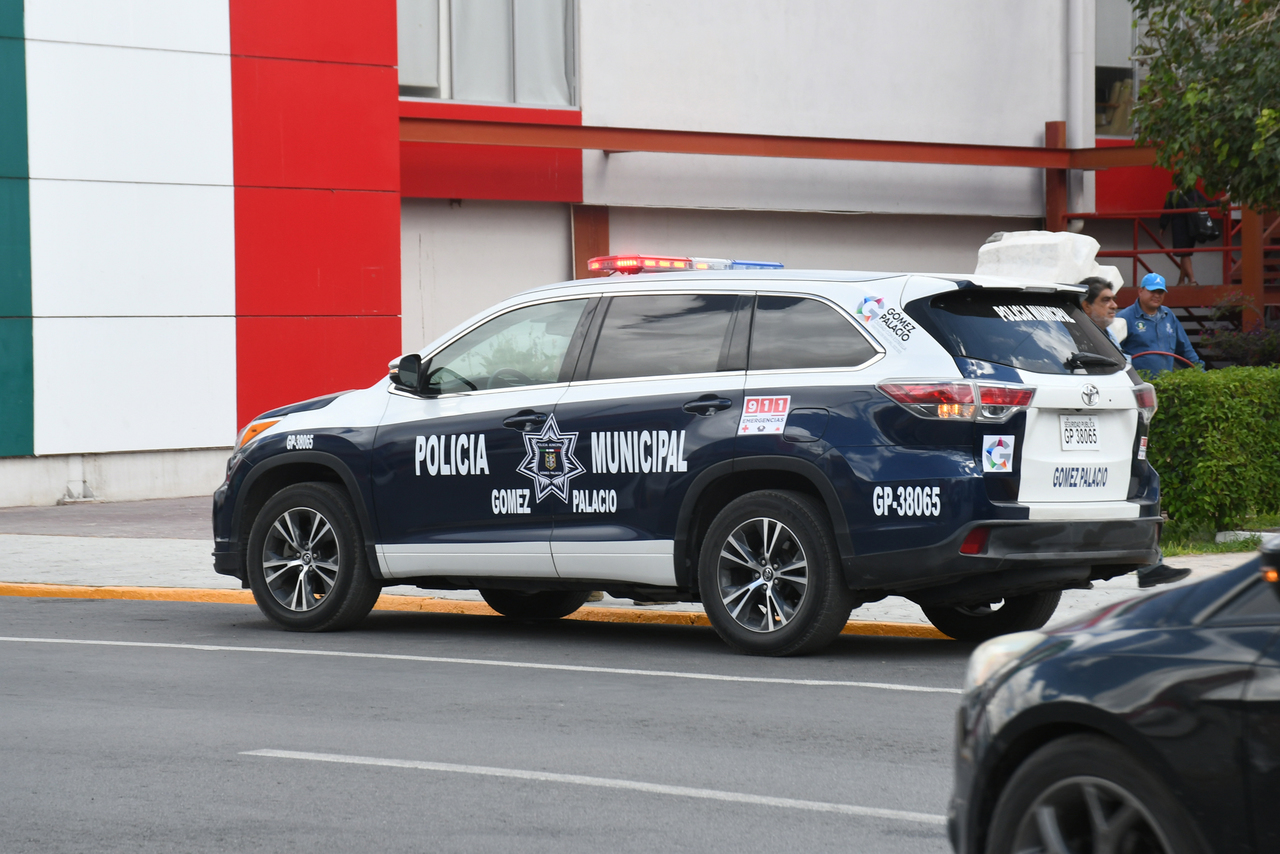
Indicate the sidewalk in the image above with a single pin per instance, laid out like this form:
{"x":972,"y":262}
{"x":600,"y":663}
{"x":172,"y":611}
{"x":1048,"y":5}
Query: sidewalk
{"x":167,"y":544}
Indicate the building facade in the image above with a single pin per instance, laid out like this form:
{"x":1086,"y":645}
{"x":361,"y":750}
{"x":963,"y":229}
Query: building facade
{"x":207,"y":210}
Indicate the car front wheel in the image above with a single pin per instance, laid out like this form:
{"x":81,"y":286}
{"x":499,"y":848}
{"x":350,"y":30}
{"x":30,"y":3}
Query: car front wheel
{"x":306,"y":560}
{"x":770,"y":577}
{"x":1086,"y":793}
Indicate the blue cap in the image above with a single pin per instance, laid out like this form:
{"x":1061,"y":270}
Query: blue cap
{"x":1154,"y":282}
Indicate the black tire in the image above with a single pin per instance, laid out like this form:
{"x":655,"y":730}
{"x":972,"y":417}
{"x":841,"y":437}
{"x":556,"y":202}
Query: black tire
{"x":306,"y":577}
{"x":539,"y":605}
{"x":1066,"y":775}
{"x":983,"y":622}
{"x":765,"y":608}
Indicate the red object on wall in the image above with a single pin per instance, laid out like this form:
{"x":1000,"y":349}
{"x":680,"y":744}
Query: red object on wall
{"x":1130,"y":188}
{"x":514,"y":173}
{"x":328,"y":252}
{"x":286,"y":359}
{"x":317,"y":174}
{"x":332,"y":30}
{"x":444,"y":171}
{"x":314,"y":125}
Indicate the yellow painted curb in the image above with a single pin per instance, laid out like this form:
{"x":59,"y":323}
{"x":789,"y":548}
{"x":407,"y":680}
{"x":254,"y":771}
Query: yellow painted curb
{"x":429,"y":604}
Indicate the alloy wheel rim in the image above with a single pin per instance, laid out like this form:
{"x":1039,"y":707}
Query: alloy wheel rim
{"x":1089,"y":815}
{"x":300,"y":559}
{"x":763,"y":575}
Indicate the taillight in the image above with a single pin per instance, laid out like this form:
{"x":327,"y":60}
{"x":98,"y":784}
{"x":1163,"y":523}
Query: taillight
{"x":999,"y":402}
{"x":958,"y":400}
{"x":975,"y":543}
{"x":948,"y":400}
{"x":1145,"y":394}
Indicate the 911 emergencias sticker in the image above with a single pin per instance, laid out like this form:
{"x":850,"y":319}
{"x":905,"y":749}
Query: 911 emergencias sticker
{"x":764,"y":414}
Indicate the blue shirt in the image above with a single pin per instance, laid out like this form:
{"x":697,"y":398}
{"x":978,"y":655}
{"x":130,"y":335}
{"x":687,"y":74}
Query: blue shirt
{"x":1161,"y":332}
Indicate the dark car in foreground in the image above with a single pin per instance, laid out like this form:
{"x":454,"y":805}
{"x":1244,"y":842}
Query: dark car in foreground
{"x":1152,"y":725}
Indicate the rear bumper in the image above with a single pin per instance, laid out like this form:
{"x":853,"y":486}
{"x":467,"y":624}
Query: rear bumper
{"x":1019,"y":554}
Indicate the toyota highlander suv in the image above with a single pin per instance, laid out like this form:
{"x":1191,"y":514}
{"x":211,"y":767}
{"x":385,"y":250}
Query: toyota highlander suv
{"x":780,"y":446}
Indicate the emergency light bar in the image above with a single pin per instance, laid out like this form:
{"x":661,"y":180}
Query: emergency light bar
{"x":666,"y":264}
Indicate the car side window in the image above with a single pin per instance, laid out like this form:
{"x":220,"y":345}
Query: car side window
{"x":1257,"y":603}
{"x":794,"y":333}
{"x":524,"y":346}
{"x":659,"y":335}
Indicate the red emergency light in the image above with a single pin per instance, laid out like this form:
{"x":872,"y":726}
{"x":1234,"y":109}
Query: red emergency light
{"x":638,"y":263}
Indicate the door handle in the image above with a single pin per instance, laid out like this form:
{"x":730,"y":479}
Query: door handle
{"x":524,"y":418}
{"x":708,"y":404}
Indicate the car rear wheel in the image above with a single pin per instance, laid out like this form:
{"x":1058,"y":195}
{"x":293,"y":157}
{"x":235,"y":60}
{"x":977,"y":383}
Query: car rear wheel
{"x":983,"y":621}
{"x":306,"y":560}
{"x":769,"y":575}
{"x":539,"y":605}
{"x":1088,"y":794}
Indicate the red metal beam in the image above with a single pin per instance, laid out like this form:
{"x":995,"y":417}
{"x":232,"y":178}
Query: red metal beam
{"x":1252,"y":294}
{"x":415,"y":129}
{"x":1055,"y":180}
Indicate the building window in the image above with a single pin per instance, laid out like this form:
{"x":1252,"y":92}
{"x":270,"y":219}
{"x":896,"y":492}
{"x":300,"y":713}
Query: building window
{"x":1115,"y":73}
{"x":490,"y":51}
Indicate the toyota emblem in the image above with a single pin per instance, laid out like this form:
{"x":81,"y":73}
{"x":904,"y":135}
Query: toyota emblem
{"x":1089,"y":394}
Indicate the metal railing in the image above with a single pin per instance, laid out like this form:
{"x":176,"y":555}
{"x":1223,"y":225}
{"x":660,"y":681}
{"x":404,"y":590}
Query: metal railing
{"x":1229,"y":221}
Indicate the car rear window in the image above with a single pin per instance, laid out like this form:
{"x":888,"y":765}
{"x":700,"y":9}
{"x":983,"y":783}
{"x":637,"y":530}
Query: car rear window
{"x":1037,"y":332}
{"x":794,"y":333}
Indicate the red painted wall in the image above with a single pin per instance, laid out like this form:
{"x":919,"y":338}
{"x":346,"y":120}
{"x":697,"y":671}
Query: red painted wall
{"x":431,"y":170}
{"x":315,"y":135}
{"x":1132,"y":188}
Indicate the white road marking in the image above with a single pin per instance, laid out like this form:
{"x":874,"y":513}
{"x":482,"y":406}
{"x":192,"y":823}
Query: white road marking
{"x":485,"y":662}
{"x":609,"y":783}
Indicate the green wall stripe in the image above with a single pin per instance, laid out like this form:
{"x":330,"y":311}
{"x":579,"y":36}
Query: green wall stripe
{"x":17,"y":391}
{"x":15,"y":249}
{"x":11,"y":19}
{"x":17,"y":386}
{"x":13,"y":107}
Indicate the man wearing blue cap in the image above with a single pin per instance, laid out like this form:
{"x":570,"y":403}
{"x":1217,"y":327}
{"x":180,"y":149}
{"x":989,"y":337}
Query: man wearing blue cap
{"x":1153,"y":327}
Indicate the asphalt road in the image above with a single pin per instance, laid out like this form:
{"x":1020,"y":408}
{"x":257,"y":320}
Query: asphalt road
{"x":483,"y":735}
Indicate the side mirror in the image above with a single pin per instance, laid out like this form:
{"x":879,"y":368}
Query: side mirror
{"x":408,"y":373}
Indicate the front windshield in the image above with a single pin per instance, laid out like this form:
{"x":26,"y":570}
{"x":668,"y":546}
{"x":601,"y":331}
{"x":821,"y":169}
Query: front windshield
{"x":1038,"y":332}
{"x":522,"y":347}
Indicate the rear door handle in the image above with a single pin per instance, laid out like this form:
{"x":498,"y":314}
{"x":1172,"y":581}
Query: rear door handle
{"x":524,"y":418}
{"x":708,"y":404}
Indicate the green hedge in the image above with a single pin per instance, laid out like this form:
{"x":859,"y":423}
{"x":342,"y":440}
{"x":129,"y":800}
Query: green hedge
{"x":1215,"y":441}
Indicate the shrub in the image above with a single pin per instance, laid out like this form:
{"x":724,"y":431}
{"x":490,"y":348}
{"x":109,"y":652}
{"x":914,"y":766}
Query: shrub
{"x":1216,"y":443}
{"x":1252,"y":347}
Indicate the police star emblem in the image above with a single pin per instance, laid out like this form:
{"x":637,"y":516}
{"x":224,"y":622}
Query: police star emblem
{"x":549,"y":461}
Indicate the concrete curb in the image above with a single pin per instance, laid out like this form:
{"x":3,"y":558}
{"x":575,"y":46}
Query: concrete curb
{"x":390,"y":602}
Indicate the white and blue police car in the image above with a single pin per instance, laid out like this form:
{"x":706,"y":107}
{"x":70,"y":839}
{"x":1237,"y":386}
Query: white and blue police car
{"x":781,"y":446}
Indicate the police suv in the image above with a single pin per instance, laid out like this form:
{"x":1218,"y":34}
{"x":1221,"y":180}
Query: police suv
{"x":780,"y":446}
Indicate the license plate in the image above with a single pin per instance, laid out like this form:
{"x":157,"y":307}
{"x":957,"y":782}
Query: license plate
{"x":1079,"y":432}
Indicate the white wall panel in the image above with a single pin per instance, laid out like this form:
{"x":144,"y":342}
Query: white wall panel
{"x":757,"y":183}
{"x":199,"y":25}
{"x":125,"y":114}
{"x":456,"y":260}
{"x":102,"y":248}
{"x":983,"y":71}
{"x":894,"y":244}
{"x":131,"y":384}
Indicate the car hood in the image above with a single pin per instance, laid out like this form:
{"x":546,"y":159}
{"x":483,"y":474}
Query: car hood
{"x":1164,"y":609}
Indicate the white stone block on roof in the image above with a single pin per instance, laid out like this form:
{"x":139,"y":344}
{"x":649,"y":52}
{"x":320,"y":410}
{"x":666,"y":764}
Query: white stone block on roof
{"x":1045,"y":256}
